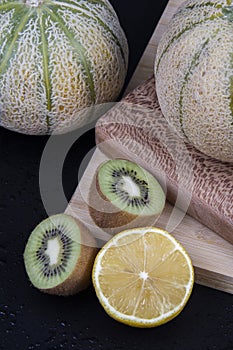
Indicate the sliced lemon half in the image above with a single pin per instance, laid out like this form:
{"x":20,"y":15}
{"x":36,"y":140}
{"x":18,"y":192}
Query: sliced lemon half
{"x":143,"y":277}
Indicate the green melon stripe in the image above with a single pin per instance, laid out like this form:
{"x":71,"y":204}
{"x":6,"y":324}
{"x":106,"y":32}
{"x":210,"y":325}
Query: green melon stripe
{"x":10,"y":5}
{"x":104,"y":25}
{"x":44,"y":51}
{"x":78,"y":48}
{"x":206,"y":4}
{"x":97,"y":2}
{"x":194,"y":63}
{"x":95,"y":18}
{"x":7,"y":7}
{"x":11,"y":45}
{"x":179,"y":35}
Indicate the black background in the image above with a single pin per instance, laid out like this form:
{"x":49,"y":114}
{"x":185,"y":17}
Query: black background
{"x":32,"y":320}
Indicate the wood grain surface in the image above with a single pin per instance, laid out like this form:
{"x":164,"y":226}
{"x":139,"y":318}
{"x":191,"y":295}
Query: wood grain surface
{"x":212,"y":255}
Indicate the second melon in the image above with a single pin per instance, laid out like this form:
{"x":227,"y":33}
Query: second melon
{"x":194,"y":76}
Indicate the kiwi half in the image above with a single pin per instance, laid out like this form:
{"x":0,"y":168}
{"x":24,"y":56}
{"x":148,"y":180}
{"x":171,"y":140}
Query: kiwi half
{"x":124,"y":195}
{"x":59,"y":255}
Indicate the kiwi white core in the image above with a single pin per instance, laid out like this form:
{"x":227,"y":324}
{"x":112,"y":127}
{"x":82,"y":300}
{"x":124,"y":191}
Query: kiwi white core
{"x":53,"y":250}
{"x":130,"y":187}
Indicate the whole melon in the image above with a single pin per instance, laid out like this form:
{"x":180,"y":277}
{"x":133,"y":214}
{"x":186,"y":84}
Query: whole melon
{"x":56,"y":58}
{"x":194,"y":75}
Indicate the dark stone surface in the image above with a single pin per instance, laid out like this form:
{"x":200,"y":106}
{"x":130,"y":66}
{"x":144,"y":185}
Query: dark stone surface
{"x":32,"y":320}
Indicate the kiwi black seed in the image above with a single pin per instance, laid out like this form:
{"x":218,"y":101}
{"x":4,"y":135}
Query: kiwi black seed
{"x":124,"y":195}
{"x":59,"y":255}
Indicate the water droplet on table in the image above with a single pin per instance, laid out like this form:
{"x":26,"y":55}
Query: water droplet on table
{"x":2,"y":314}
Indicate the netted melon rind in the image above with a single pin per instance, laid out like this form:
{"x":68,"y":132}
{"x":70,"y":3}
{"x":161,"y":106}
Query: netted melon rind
{"x":65,"y":56}
{"x":194,"y":77}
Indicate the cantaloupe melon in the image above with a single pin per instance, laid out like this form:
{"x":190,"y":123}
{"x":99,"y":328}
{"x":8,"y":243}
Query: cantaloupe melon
{"x":56,"y":58}
{"x":194,"y":75}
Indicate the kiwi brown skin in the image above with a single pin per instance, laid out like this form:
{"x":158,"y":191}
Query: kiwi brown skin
{"x":108,"y":217}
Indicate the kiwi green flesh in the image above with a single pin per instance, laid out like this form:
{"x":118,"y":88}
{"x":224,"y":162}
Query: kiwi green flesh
{"x":52,"y":251}
{"x":130,"y":188}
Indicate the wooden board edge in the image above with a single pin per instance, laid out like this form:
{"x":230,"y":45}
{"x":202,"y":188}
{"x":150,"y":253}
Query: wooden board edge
{"x":213,"y":280}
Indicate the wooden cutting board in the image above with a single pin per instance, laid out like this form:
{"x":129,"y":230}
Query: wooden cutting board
{"x":212,"y":256}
